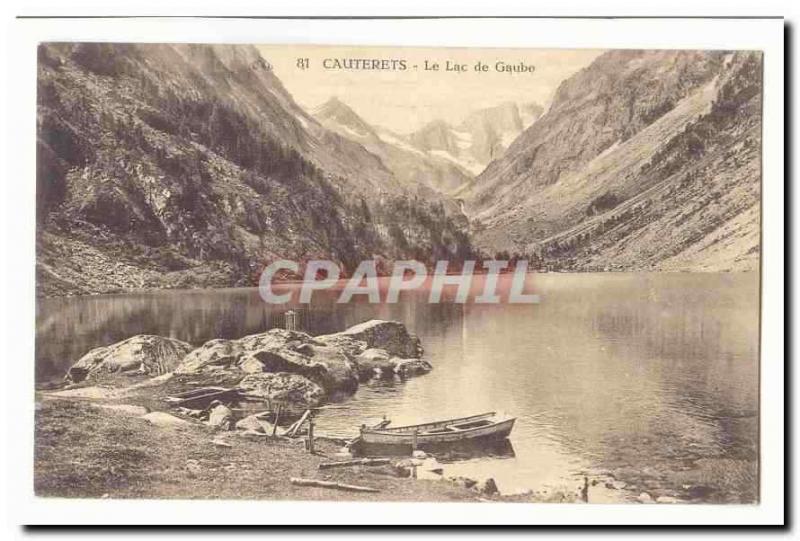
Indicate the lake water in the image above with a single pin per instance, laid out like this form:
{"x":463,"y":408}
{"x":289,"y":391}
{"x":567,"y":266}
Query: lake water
{"x":642,"y":377}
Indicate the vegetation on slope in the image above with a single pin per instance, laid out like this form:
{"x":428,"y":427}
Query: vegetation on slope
{"x":156,"y":169}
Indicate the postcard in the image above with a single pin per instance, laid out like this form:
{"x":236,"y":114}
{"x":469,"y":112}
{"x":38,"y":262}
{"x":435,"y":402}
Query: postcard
{"x":289,"y":272}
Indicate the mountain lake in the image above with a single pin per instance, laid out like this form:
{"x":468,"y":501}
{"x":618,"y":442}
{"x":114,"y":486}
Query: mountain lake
{"x":640,"y":382}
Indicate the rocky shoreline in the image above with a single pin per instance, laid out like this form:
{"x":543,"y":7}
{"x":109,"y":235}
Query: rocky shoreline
{"x":121,"y":389}
{"x":115,"y":428}
{"x":279,"y":364}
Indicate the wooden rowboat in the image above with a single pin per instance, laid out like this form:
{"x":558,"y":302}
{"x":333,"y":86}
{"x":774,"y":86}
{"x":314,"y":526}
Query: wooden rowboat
{"x":486,"y":426}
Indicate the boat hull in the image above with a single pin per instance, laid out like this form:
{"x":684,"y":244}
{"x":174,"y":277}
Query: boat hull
{"x":406,"y":437}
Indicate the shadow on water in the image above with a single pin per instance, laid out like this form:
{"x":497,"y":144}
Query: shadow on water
{"x":444,"y":453}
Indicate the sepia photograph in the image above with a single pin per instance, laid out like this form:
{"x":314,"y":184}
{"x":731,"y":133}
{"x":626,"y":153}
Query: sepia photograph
{"x":373,"y":273}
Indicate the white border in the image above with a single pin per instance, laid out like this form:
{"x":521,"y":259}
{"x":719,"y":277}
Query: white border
{"x":18,"y":211}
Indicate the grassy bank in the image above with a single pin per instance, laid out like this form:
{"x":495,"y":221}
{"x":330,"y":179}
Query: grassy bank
{"x":85,"y":450}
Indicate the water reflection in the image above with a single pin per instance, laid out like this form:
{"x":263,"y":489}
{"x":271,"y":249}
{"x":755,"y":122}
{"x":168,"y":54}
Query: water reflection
{"x":640,"y":375}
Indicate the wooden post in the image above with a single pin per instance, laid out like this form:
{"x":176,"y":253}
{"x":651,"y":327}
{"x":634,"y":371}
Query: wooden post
{"x":277,"y":418}
{"x":291,"y":320}
{"x":311,"y":435}
{"x":414,"y":441}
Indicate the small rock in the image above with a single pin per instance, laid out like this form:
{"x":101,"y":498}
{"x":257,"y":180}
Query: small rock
{"x":419,"y":454}
{"x":616,"y":485}
{"x":405,"y":463}
{"x":221,"y":443}
{"x":407,"y":466}
{"x":220,"y":416}
{"x":251,"y":422}
{"x":252,"y":434}
{"x":465,"y":482}
{"x":191,"y":412}
{"x":159,"y":418}
{"x":193,"y":466}
{"x":644,"y":497}
{"x":667,"y":499}
{"x":437,"y":471}
{"x":487,"y":486}
{"x":700,"y":492}
{"x":412,"y":367}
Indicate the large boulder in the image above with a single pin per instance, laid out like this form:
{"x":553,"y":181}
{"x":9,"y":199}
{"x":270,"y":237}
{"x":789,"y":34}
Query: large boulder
{"x":339,"y":372}
{"x":283,"y":386}
{"x":213,"y":354}
{"x":145,"y":353}
{"x":376,"y":333}
{"x":334,"y":363}
{"x":276,"y":350}
{"x":279,"y":350}
{"x":346,"y":344}
{"x":276,"y":339}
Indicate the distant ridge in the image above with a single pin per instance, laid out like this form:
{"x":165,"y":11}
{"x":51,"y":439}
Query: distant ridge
{"x":645,"y":160}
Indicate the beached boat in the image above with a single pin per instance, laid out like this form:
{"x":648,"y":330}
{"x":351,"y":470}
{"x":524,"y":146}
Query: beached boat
{"x":476,"y":428}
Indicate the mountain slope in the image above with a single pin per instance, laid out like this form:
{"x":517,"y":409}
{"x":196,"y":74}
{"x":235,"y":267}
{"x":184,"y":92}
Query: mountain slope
{"x":411,"y":167}
{"x":645,"y":160}
{"x":185,"y":165}
{"x":482,"y":137}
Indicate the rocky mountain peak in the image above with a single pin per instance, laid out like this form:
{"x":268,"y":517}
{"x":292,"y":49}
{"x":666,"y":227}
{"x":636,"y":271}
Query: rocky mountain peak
{"x":338,"y":111}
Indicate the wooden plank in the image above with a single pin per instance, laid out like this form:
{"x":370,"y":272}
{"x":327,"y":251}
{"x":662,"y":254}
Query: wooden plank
{"x":255,"y":398}
{"x":196,"y":392}
{"x":208,"y":396}
{"x":330,"y":484}
{"x":277,"y":418}
{"x":292,"y":430}
{"x":357,"y":462}
{"x":311,"y":436}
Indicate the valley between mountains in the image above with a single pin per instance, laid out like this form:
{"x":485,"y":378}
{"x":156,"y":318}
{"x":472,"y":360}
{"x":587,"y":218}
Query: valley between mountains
{"x":180,"y":166}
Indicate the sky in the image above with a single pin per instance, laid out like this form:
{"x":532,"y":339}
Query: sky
{"x":404,"y":101}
